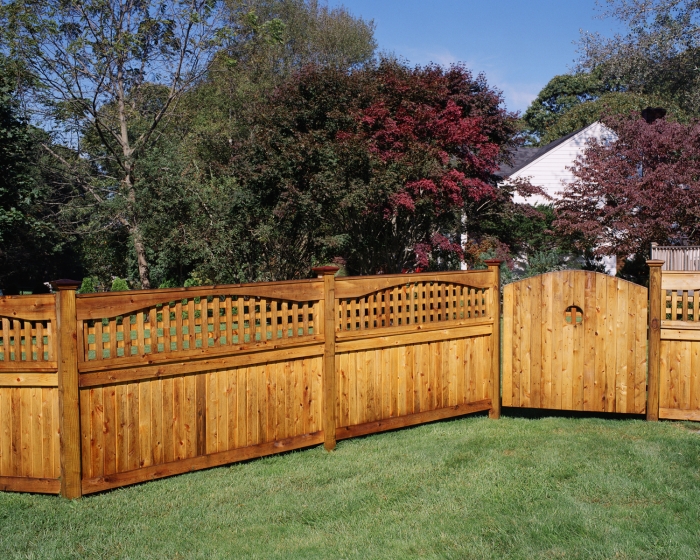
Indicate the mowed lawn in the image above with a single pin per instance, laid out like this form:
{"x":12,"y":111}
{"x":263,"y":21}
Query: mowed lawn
{"x":469,"y":488}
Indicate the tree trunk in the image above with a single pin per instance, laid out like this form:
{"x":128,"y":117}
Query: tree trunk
{"x":140,"y":249}
{"x":128,"y":182}
{"x":135,"y":231}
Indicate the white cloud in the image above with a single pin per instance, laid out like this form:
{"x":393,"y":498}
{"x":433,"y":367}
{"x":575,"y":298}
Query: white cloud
{"x":518,"y":96}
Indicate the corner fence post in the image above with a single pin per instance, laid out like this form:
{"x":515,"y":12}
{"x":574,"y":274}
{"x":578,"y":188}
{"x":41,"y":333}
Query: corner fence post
{"x":68,"y":392}
{"x":654,"y":368}
{"x":495,"y":270}
{"x":329,"y":315}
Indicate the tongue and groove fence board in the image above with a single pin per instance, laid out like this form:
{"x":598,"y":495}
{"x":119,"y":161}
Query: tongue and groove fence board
{"x":145,"y":384}
{"x":678,"y":358}
{"x":575,"y":340}
{"x":29,"y":415}
{"x":148,"y":429}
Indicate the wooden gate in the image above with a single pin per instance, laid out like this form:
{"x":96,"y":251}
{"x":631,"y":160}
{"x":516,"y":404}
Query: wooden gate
{"x":575,"y":340}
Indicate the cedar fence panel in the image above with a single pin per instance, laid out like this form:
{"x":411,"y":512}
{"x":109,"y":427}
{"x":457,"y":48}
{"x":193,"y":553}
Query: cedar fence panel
{"x":415,"y":349}
{"x":178,"y":380}
{"x":678,"y":358}
{"x":29,"y":414}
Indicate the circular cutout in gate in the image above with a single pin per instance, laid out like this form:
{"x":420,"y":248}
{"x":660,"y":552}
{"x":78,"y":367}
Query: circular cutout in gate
{"x":573,"y":315}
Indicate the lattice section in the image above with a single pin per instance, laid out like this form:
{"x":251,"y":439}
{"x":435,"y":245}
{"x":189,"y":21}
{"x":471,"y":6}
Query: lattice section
{"x":25,"y":341}
{"x":682,"y":305}
{"x":199,"y":322}
{"x":413,"y":304}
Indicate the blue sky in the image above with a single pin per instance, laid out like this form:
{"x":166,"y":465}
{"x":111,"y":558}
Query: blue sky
{"x":519,"y":44}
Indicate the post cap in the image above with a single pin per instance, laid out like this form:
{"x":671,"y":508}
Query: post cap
{"x":493,"y":262}
{"x":654,"y":262}
{"x":325,"y":270}
{"x":65,"y":284}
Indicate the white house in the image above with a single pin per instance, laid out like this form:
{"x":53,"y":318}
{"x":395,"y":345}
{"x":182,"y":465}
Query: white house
{"x":549,"y":167}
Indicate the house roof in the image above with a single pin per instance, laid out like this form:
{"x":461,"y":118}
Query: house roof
{"x":525,"y":155}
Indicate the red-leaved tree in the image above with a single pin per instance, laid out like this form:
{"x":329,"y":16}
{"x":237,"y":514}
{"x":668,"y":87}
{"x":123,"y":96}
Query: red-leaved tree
{"x":642,"y":188}
{"x":435,"y":138}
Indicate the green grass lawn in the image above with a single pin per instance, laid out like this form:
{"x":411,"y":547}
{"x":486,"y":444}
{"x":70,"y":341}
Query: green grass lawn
{"x":469,"y":488}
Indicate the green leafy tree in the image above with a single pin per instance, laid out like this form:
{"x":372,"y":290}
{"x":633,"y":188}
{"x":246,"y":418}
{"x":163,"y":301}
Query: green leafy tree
{"x":272,"y":40}
{"x":657,"y":53}
{"x":93,"y":66}
{"x":570,"y":102}
{"x":280,"y":36}
{"x":558,"y":97}
{"x":33,"y":249}
{"x":616,"y":103}
{"x":193,"y":209}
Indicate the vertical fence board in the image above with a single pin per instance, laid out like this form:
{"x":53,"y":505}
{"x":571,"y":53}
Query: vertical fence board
{"x":516,"y":346}
{"x":535,"y":341}
{"x":589,"y":336}
{"x":507,"y":351}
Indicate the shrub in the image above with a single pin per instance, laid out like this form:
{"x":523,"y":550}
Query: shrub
{"x":119,"y":285}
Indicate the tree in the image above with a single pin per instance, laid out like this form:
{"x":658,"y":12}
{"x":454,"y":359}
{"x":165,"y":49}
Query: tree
{"x":559,"y":96}
{"x":658,"y":54}
{"x":570,"y":102}
{"x":381,"y":168}
{"x":626,"y":104}
{"x":308,"y":32}
{"x":33,"y":249}
{"x":272,"y":40}
{"x":640,"y":189}
{"x":193,"y":208}
{"x":116,"y":68}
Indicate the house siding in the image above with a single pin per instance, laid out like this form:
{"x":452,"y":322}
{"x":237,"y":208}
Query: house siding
{"x":551,"y":171}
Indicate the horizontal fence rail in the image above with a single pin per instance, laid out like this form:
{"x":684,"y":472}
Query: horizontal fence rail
{"x":104,"y":390}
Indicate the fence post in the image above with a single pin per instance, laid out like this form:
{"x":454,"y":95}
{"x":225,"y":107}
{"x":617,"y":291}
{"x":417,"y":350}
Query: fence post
{"x":495,"y":269}
{"x":68,"y":392}
{"x":329,"y":314}
{"x":654,"y":368}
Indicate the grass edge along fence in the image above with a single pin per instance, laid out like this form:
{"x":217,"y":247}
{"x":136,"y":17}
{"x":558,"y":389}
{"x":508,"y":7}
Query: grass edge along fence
{"x":105,"y":390}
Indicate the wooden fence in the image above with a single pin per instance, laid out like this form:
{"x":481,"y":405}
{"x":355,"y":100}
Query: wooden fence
{"x":685,"y":258}
{"x":104,"y":390}
{"x":674,"y":344}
